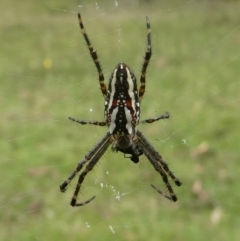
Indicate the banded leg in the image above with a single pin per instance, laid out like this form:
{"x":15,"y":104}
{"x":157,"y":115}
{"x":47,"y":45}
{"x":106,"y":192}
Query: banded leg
{"x":90,"y":154}
{"x":147,"y":57}
{"x":88,"y":168}
{"x":158,"y":157}
{"x":159,"y":164}
{"x":157,"y":118}
{"x":84,"y":122}
{"x":94,"y":56}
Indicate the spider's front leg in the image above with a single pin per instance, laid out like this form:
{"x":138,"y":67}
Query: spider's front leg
{"x":159,"y":164}
{"x":93,"y":157}
{"x":63,"y":186}
{"x":89,"y":167}
{"x":88,"y":157}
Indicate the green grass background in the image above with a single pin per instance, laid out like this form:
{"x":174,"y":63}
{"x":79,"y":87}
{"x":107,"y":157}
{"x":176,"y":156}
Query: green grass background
{"x":46,"y":75}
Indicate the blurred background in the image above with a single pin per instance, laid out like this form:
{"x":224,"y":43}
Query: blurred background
{"x":47,"y":75}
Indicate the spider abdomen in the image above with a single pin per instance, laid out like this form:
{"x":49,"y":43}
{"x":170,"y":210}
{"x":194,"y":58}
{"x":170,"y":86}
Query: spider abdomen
{"x":122,"y":110}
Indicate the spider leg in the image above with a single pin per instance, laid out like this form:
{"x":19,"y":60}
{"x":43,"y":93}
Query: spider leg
{"x":94,"y":56}
{"x":157,"y":118}
{"x":90,"y":154}
{"x":167,"y":170}
{"x":147,"y":57}
{"x":88,"y":168}
{"x":159,"y":191}
{"x":84,"y":122}
{"x":159,"y":164}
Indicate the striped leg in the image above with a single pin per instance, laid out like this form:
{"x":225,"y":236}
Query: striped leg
{"x":147,"y":57}
{"x":159,"y":164}
{"x":92,"y":157}
{"x":84,"y":122}
{"x":94,"y":56}
{"x":151,"y":120}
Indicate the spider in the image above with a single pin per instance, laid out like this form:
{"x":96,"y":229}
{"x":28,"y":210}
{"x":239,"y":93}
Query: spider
{"x":122,"y":113}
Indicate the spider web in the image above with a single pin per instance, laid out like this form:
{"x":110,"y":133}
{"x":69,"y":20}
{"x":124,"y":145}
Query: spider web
{"x":48,"y":75}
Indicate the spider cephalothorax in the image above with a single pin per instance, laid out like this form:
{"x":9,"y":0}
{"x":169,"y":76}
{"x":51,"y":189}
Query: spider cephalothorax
{"x":122,"y":113}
